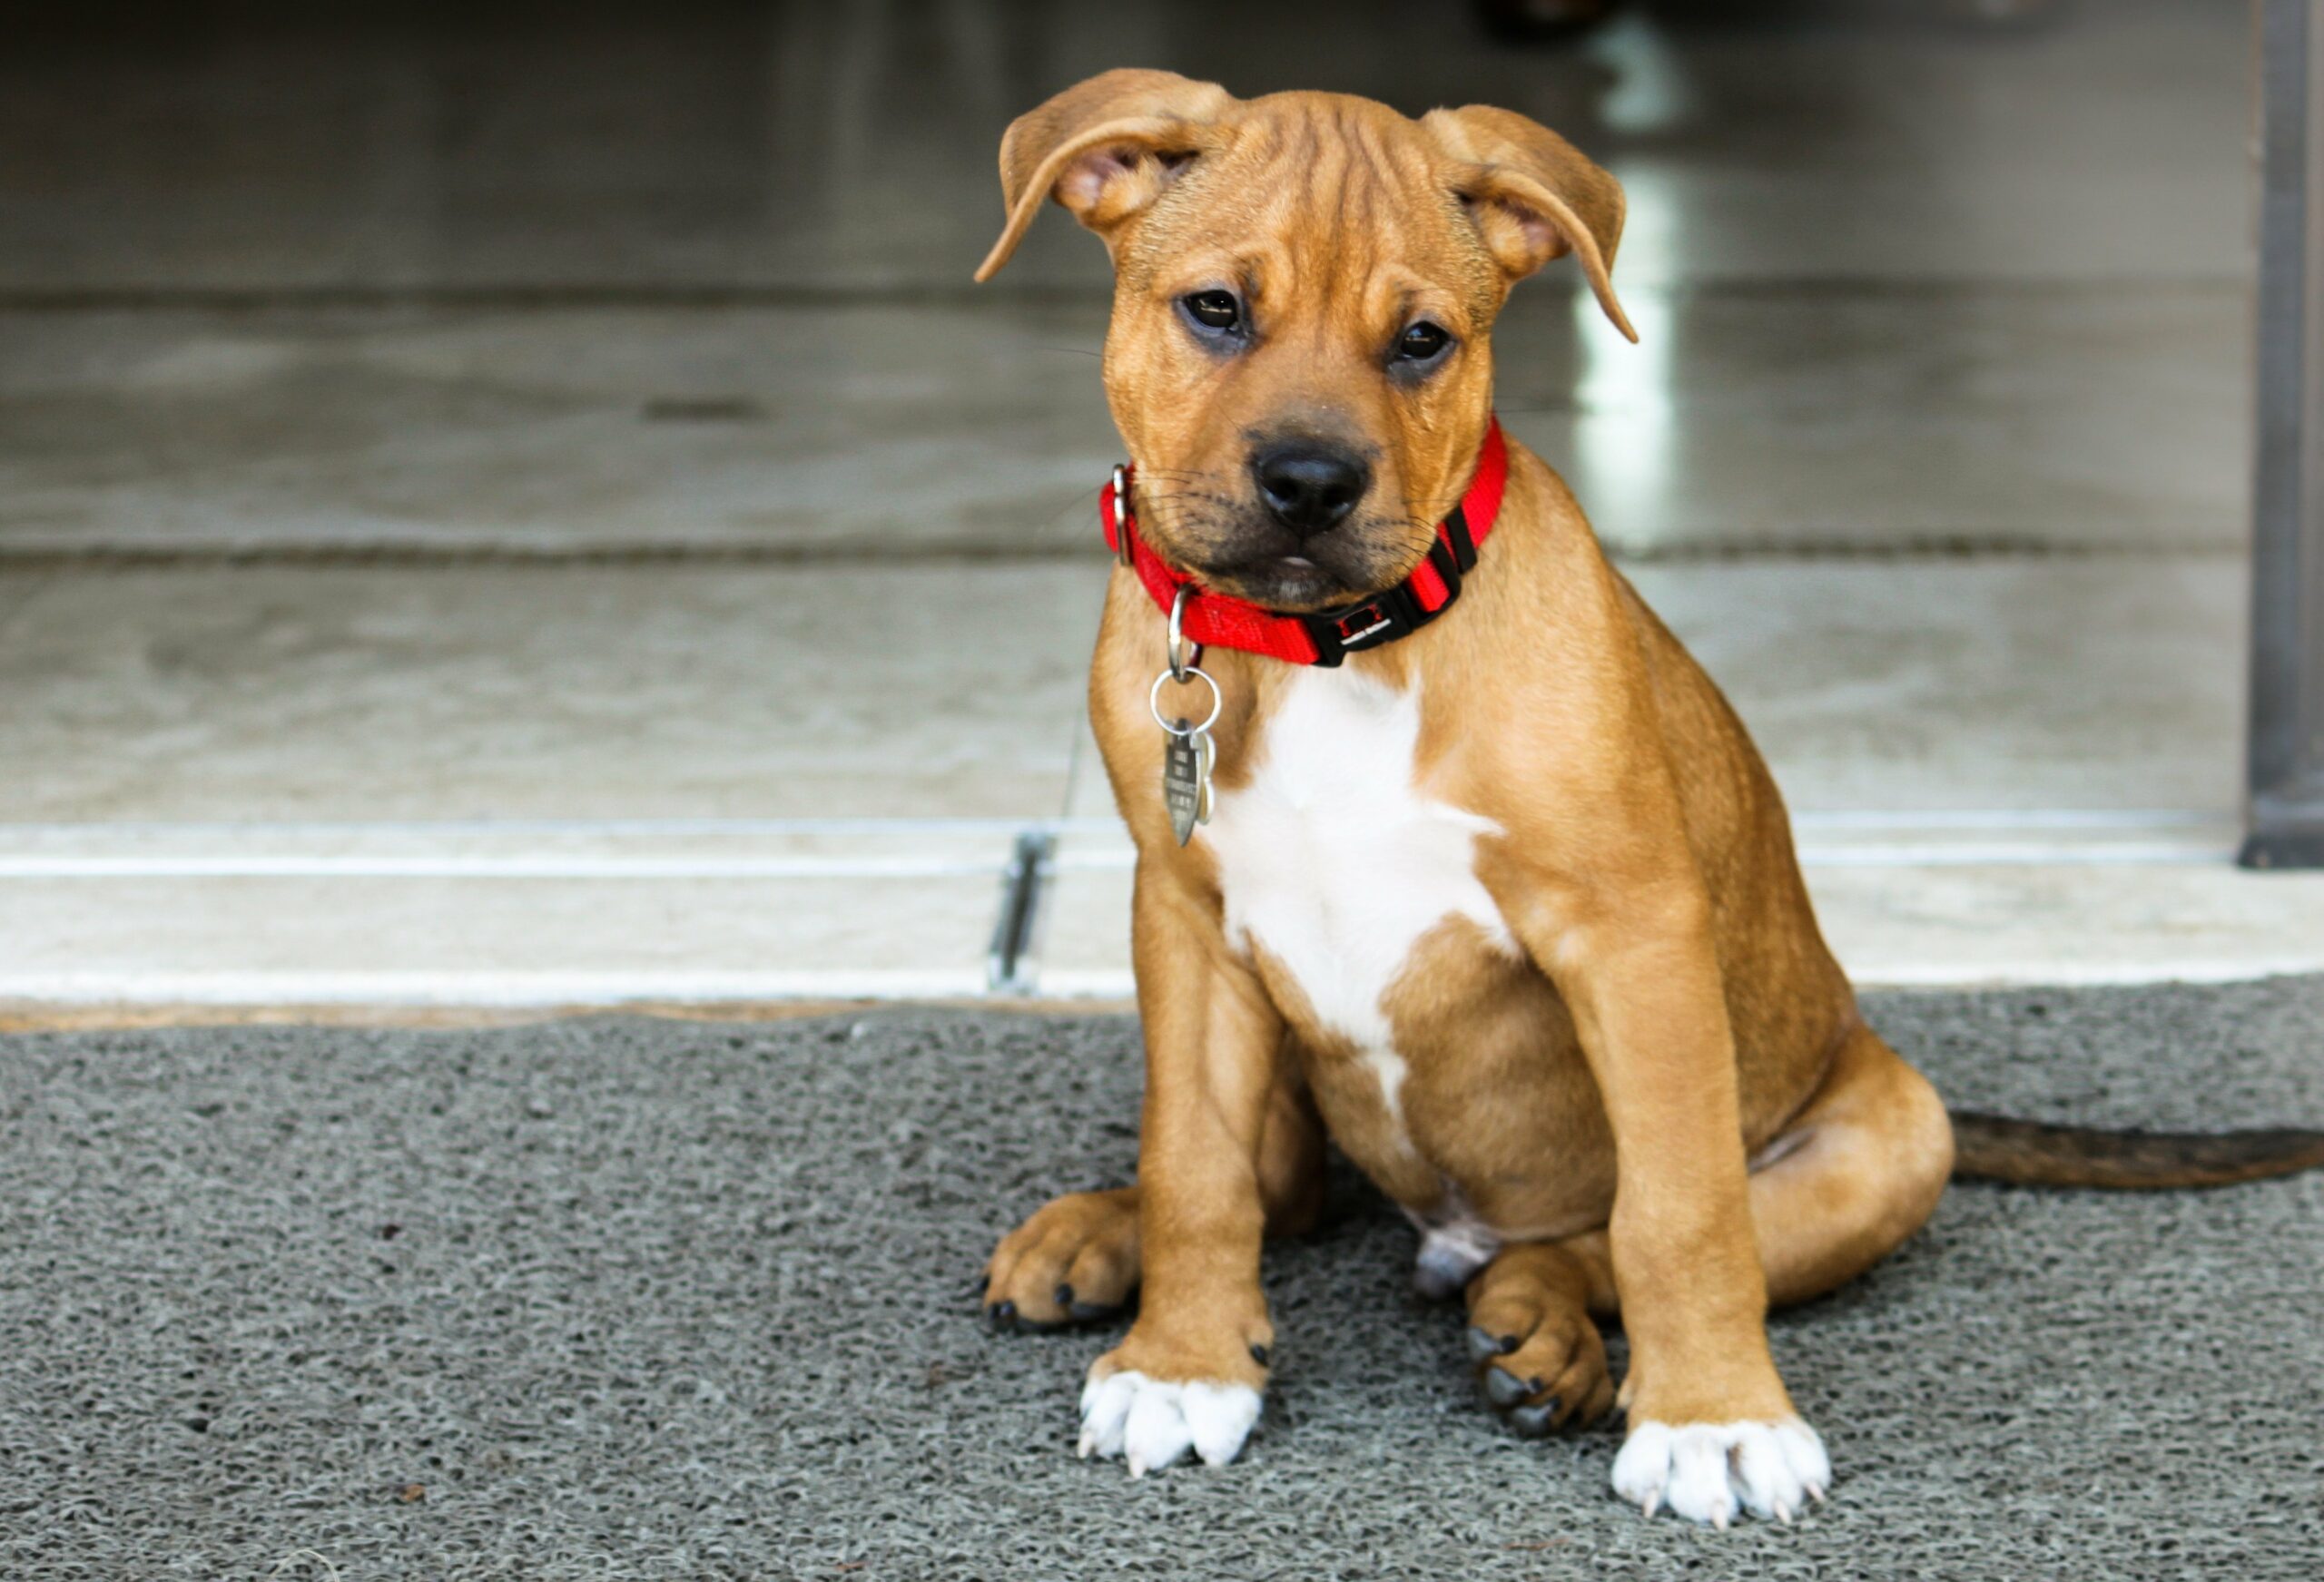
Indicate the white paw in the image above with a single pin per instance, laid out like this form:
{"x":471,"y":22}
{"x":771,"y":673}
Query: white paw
{"x":1705,"y":1471}
{"x":1151,"y":1422}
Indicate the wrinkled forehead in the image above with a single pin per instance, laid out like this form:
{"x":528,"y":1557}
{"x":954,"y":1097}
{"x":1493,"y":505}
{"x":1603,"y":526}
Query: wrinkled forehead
{"x":1316,"y":198}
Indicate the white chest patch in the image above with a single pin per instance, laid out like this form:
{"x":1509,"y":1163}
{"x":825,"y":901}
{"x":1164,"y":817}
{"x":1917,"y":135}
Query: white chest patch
{"x":1332,"y":860}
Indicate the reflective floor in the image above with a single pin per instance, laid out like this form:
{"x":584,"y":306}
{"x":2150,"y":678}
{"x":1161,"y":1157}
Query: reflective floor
{"x":250,"y":148}
{"x":524,"y":504}
{"x":1847,"y":418}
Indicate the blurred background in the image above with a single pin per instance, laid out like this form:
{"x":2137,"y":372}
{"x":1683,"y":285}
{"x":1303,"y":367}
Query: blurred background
{"x":519,"y":505}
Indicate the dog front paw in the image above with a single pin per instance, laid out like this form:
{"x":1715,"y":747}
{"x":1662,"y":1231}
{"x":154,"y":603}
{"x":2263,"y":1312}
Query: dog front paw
{"x":1150,"y":1401}
{"x":1705,"y":1472}
{"x":1152,"y":1422}
{"x":1074,"y":1262}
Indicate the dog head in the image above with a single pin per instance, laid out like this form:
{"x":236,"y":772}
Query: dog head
{"x":1304,"y":289}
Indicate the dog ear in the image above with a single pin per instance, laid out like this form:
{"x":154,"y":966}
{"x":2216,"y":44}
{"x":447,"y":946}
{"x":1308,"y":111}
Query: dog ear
{"x":1534,"y":196}
{"x":1104,"y":149}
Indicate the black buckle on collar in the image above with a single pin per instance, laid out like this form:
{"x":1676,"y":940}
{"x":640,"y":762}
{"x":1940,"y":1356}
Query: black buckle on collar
{"x":1386,"y":616}
{"x":1455,"y":532}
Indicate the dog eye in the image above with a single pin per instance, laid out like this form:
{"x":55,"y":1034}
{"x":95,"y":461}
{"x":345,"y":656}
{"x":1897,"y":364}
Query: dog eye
{"x":1422,"y":342}
{"x":1214,"y":310}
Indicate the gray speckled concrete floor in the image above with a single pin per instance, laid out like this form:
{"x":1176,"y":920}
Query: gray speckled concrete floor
{"x":633,"y":1299}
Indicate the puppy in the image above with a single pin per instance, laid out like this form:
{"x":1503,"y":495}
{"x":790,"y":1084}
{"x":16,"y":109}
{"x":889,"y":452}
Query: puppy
{"x":1445,"y":846}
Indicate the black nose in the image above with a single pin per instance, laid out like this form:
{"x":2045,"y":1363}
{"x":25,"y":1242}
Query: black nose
{"x":1310,"y":487}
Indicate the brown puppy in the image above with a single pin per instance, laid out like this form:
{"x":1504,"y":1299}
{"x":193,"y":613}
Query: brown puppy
{"x":1509,"y":905}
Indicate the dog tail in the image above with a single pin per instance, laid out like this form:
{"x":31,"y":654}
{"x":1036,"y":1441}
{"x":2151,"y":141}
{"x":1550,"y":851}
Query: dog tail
{"x":1997,"y":1148}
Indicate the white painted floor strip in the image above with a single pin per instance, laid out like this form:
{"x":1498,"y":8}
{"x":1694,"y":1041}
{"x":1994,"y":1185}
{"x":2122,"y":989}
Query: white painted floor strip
{"x":1812,"y":820}
{"x":2010,"y":853}
{"x":1834,"y":819}
{"x":492,"y":913}
{"x":2046,"y":973}
{"x":440,"y":829}
{"x":502,"y":987}
{"x":1983,"y":854}
{"x":2043,"y":853}
{"x":894,"y":848}
{"x":546,"y":867}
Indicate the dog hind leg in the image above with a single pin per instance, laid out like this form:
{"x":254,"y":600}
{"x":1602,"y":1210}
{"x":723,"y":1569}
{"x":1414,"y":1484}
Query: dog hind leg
{"x":1538,"y":1355}
{"x":1857,"y":1171}
{"x":1854,"y":1173}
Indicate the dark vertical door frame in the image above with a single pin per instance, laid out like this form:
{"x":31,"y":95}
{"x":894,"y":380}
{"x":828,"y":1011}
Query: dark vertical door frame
{"x":2285,"y":755}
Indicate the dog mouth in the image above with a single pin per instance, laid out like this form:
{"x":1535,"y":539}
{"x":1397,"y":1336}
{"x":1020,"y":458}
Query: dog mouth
{"x":1273,"y":569}
{"x":1233,"y":548}
{"x":1295,"y":582}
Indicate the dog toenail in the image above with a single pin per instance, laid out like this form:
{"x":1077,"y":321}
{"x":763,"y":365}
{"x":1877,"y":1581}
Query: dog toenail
{"x":1532,"y":1422}
{"x":1504,"y":1389}
{"x":1259,"y":1354}
{"x":1064,"y":1295}
{"x":1003,"y":1315}
{"x":1481,"y":1344}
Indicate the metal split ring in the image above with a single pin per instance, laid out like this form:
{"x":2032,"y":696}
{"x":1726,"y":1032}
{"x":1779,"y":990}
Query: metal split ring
{"x":1179,"y":727}
{"x":1183,"y":655}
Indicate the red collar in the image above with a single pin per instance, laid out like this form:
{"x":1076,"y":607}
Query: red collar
{"x":1330,"y":637}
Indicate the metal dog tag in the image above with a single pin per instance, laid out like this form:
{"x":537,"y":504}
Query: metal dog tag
{"x":1186,"y":749}
{"x":1185,"y":777}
